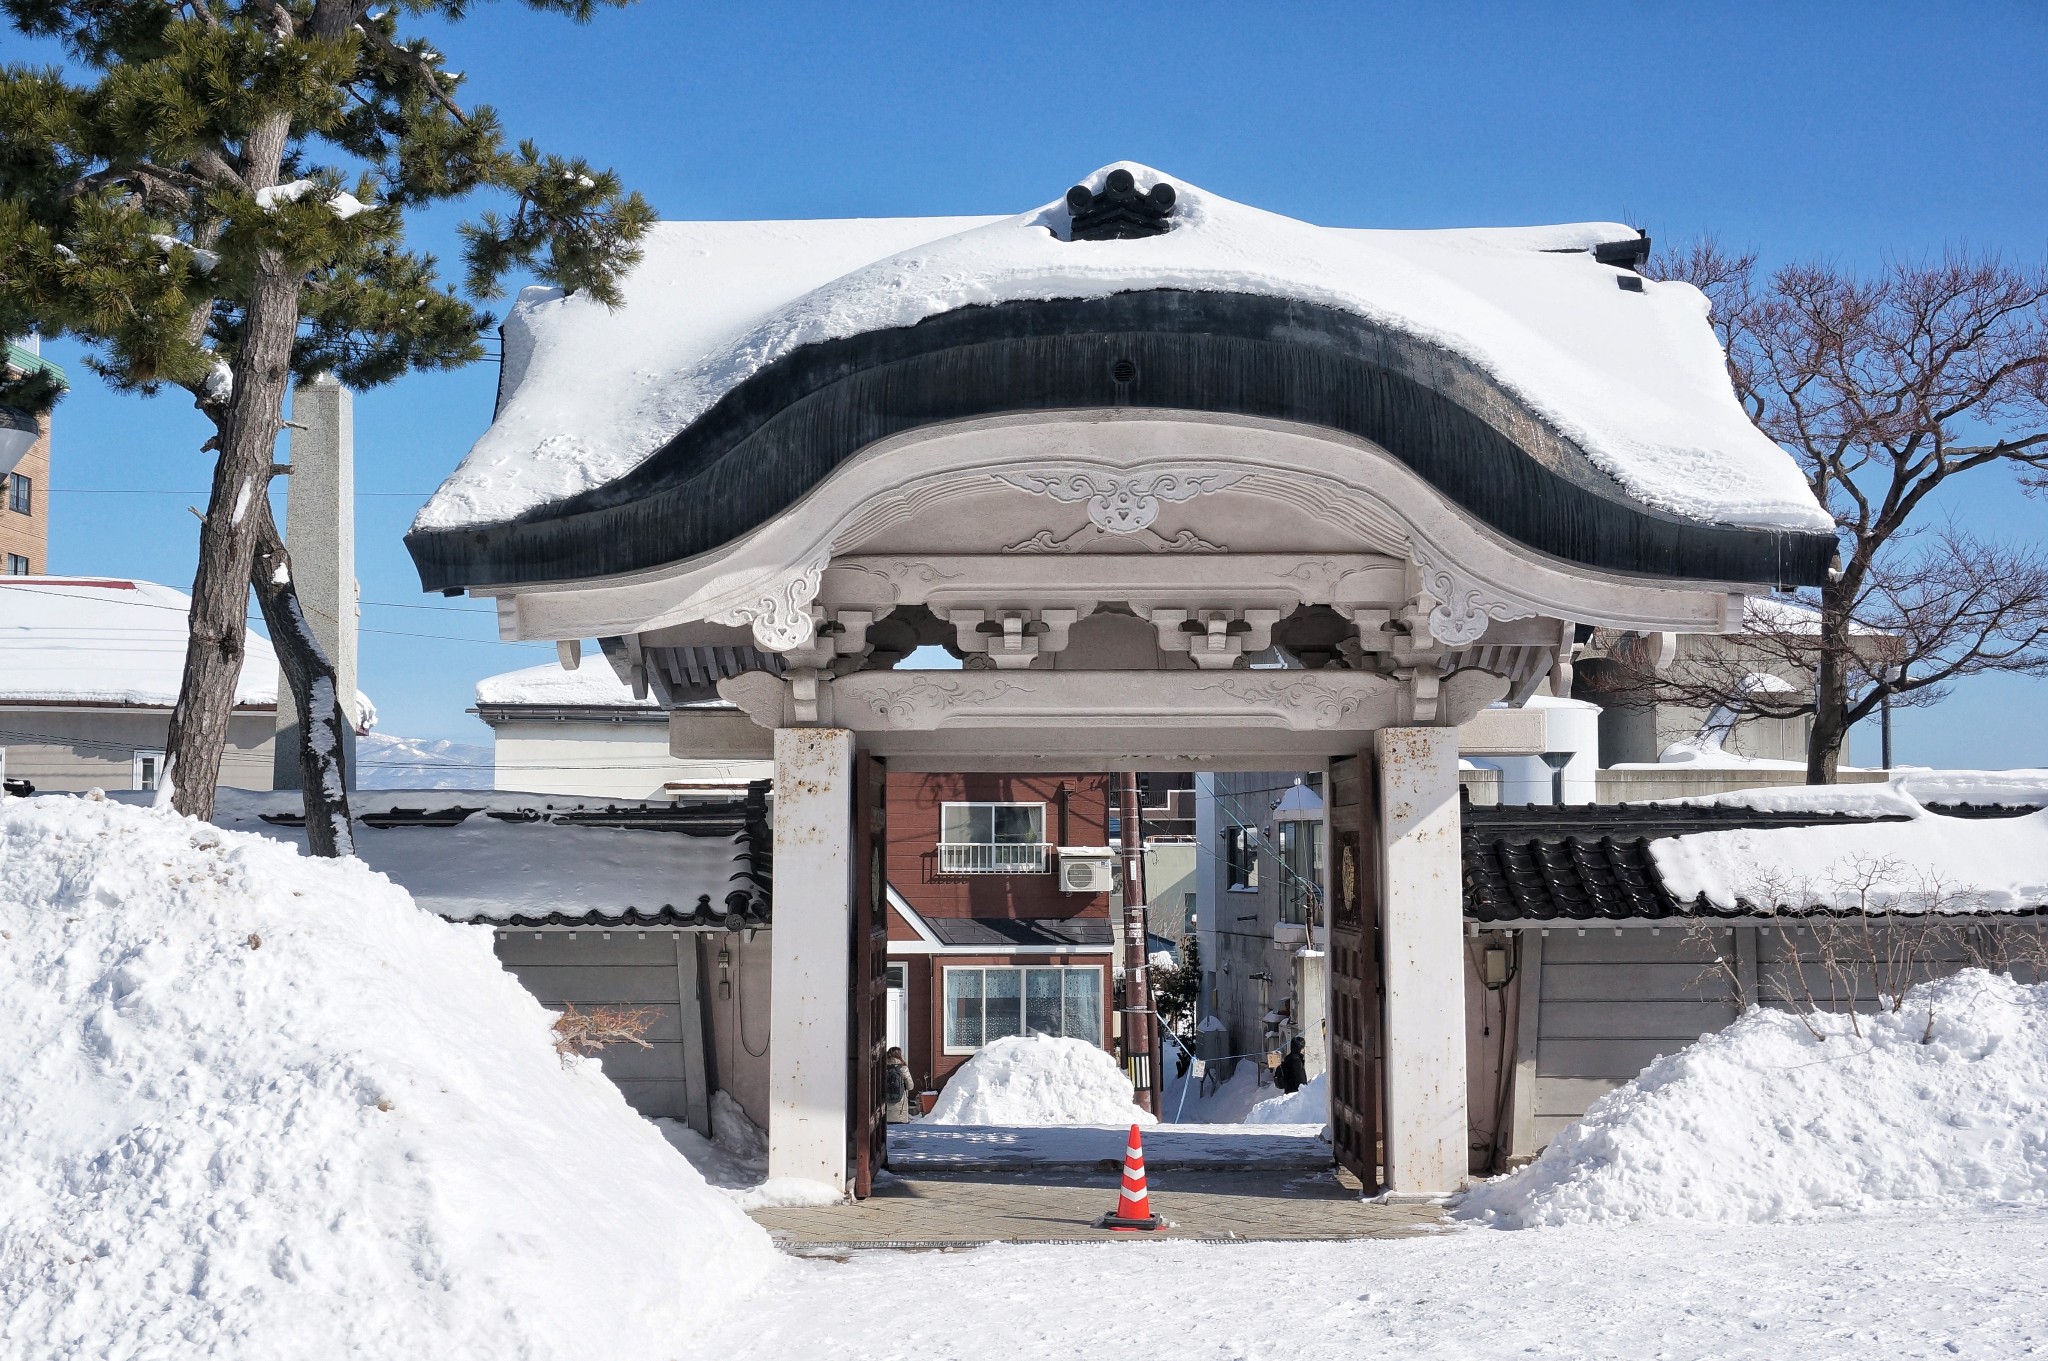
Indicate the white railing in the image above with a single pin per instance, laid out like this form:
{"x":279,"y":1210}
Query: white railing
{"x":985,"y":857}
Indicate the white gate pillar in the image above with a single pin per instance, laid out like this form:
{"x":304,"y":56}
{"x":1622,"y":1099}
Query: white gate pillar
{"x":1422,"y":943}
{"x":809,"y":945}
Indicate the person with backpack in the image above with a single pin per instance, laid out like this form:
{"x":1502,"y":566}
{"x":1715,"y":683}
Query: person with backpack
{"x":896,"y":1087}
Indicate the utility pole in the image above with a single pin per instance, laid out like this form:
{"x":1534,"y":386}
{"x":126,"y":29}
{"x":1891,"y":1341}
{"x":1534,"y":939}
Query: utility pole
{"x":1141,"y":1060}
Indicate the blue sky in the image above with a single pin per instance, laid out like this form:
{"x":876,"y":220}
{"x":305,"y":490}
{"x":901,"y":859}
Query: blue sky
{"x":1844,"y":132}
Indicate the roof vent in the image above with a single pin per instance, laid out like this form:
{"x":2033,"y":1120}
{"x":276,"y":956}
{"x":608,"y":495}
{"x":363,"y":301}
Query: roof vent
{"x":1120,"y":212}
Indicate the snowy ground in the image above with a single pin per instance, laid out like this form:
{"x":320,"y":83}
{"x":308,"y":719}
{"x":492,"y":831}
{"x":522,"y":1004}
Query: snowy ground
{"x":1971,"y":1285}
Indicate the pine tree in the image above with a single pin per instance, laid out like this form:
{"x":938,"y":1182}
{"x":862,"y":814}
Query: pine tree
{"x":212,"y":195}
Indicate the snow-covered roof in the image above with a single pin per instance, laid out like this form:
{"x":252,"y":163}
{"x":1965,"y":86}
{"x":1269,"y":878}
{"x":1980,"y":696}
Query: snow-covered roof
{"x":518,"y":870}
{"x":107,"y":640}
{"x":1927,"y":861}
{"x":1634,"y":378}
{"x":591,"y":685}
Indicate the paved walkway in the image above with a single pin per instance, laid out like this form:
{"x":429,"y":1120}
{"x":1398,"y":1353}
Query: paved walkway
{"x":949,"y":1209}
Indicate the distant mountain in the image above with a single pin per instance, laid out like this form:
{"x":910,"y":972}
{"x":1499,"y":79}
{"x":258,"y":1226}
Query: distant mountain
{"x":385,"y":761}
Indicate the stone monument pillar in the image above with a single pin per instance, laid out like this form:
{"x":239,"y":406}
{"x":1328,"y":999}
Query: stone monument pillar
{"x":320,"y":534}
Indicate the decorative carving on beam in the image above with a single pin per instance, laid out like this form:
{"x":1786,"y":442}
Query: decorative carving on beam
{"x":780,"y":611}
{"x":1463,"y":607}
{"x":1047,"y":541}
{"x":1124,"y":503}
{"x":1309,"y":694}
{"x":1216,"y":639}
{"x":1011,"y":639}
{"x":918,"y":701}
{"x":1173,"y":701}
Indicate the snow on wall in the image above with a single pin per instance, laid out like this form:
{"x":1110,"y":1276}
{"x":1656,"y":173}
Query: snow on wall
{"x":1038,"y":1080}
{"x":257,"y":1106}
{"x":1765,"y":1122}
{"x":1931,"y":863}
{"x":1636,"y":379}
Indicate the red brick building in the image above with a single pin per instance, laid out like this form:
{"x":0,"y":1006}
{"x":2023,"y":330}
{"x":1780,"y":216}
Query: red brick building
{"x":999,"y":923}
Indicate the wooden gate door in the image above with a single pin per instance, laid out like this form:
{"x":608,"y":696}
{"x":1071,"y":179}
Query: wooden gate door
{"x":868,"y":1128}
{"x":1356,"y":1104}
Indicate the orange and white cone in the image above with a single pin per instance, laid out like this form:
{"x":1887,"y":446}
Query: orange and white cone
{"x":1134,"y":1203}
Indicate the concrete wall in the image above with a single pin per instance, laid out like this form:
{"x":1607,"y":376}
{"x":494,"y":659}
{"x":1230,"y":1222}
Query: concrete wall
{"x":61,"y":749}
{"x":1172,"y":869}
{"x":1682,"y":782}
{"x":602,"y":758}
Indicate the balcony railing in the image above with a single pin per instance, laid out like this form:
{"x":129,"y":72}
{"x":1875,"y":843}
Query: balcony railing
{"x":993,"y":857}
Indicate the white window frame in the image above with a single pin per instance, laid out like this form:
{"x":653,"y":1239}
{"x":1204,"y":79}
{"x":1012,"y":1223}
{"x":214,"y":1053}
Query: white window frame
{"x":156,"y":776}
{"x":1066,"y":970}
{"x":1018,"y":857}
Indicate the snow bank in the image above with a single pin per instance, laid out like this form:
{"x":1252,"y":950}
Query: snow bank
{"x":1038,"y":1080}
{"x":258,"y":1106}
{"x":1636,"y":379}
{"x":1764,"y":1122}
{"x":1308,"y":1106}
{"x":735,"y":1160}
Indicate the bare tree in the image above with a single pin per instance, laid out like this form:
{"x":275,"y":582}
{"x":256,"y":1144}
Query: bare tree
{"x":1885,"y":389}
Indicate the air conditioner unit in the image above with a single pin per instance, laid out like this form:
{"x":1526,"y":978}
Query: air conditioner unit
{"x":1087,"y":869}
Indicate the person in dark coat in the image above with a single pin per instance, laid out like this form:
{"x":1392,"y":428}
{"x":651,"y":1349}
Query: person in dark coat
{"x":1293,"y":1070}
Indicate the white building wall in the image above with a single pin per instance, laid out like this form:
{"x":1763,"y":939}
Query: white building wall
{"x":603,"y":759}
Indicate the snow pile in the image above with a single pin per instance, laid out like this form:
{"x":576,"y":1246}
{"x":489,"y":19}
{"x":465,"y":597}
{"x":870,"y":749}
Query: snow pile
{"x":1308,"y":1106}
{"x":735,"y":1160}
{"x":1636,"y":379}
{"x":259,"y":1106}
{"x":1764,"y":1122}
{"x":1038,"y":1080}
{"x":1929,"y":863}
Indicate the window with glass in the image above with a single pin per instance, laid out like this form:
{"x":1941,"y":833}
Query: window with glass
{"x":984,"y":1004}
{"x":1300,"y":854}
{"x":17,"y":565}
{"x":21,"y":495}
{"x":992,"y":838}
{"x":148,"y":769}
{"x":1241,"y":859}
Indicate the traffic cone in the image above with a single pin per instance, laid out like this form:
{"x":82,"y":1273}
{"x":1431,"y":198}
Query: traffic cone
{"x":1134,"y":1204}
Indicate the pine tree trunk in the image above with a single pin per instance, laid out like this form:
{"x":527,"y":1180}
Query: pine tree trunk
{"x":309,"y":672}
{"x":227,"y":539}
{"x":1830,"y":689}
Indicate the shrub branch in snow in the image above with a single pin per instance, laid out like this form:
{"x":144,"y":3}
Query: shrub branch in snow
{"x":588,"y":1032}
